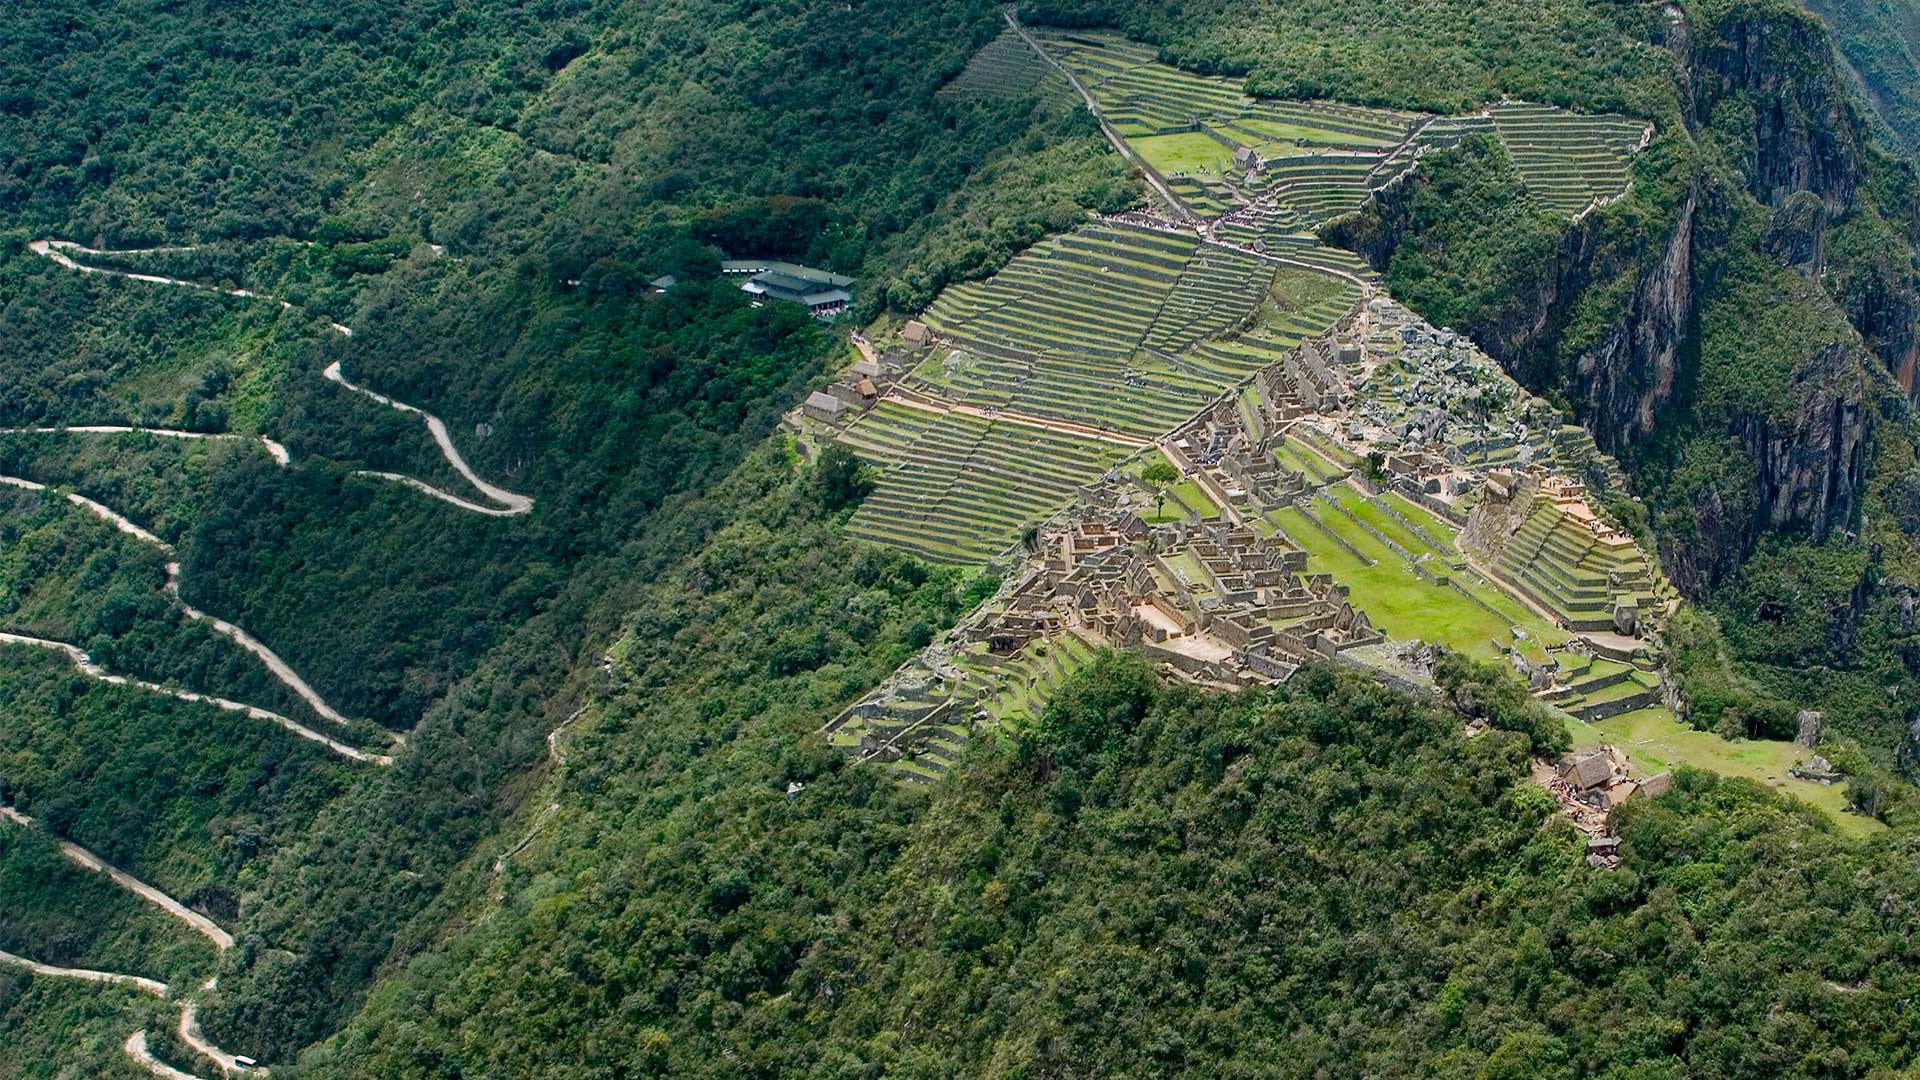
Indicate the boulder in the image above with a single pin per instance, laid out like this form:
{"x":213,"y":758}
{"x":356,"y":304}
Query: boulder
{"x":1626,"y":620}
{"x":1812,"y":724}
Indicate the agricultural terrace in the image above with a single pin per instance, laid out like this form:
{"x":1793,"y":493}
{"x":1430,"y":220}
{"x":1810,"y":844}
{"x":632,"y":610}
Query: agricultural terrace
{"x":1568,"y":160}
{"x":1313,"y":161}
{"x":1402,"y":565}
{"x":1007,"y":67}
{"x":1300,"y":304}
{"x":960,"y":489}
{"x":1556,"y":560}
{"x":935,"y":723}
{"x":1121,"y":326}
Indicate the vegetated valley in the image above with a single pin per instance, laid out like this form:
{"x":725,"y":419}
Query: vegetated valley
{"x":1223,"y":539}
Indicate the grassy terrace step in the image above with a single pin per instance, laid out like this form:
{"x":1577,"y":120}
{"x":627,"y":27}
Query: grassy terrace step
{"x":1293,"y":455}
{"x":1374,"y":513}
{"x":962,"y":488}
{"x":1007,"y":67}
{"x":1550,"y":559}
{"x":1567,"y":159}
{"x":1219,"y":289}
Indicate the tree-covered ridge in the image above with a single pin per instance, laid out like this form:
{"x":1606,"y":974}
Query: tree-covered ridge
{"x":1325,"y":879}
{"x":293,"y":152}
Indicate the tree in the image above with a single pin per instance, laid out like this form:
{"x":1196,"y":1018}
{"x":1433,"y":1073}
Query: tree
{"x":1160,"y":475}
{"x":841,"y":478}
{"x":1491,"y":693}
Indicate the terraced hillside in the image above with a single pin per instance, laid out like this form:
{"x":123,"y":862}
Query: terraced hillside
{"x":1119,"y":326}
{"x":1568,"y":160}
{"x":1313,"y":302}
{"x":959,"y":488}
{"x":1556,"y":560}
{"x":1093,"y":291}
{"x":1312,"y":161}
{"x":1007,"y":67}
{"x":989,"y":693}
{"x":1403,"y":565}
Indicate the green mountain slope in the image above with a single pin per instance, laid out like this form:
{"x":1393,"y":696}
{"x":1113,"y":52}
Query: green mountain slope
{"x":588,"y":855}
{"x":1880,"y":44}
{"x":1325,"y":881}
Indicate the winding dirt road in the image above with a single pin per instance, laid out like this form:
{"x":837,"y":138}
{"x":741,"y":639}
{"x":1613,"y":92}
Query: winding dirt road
{"x":514,"y":504}
{"x":94,"y":671}
{"x":1174,"y":202}
{"x":145,"y":985}
{"x":189,"y":1025}
{"x":280,"y":455}
{"x":189,"y":1031}
{"x":80,"y":856}
{"x":136,"y":1048}
{"x":280,"y":668}
{"x":510,"y":504}
{"x":275,"y":450}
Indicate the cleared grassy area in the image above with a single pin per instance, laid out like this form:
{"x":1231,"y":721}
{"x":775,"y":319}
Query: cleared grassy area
{"x":1280,"y":131}
{"x":1185,"y":494}
{"x":1369,"y":511}
{"x":1420,"y":515}
{"x":1187,"y":152}
{"x":1655,"y":741}
{"x":1401,"y":603}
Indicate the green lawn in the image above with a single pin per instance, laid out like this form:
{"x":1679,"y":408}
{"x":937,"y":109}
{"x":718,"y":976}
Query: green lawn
{"x":1189,"y":152}
{"x":1655,"y":741}
{"x":1186,"y":491}
{"x":1398,"y":601}
{"x":1421,"y":516}
{"x":1189,"y":493}
{"x":1366,"y":510}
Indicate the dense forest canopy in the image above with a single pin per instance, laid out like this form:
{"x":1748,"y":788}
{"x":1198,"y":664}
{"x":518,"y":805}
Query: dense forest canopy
{"x":556,"y":157}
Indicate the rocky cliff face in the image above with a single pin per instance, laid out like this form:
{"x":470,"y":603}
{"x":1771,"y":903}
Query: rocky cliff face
{"x":1768,"y":80}
{"x":1877,"y":293}
{"x":1622,"y":382}
{"x":1628,"y":378}
{"x":1813,"y":467}
{"x":1802,"y":133}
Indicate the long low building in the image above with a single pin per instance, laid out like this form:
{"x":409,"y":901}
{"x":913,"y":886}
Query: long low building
{"x":824,"y":294}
